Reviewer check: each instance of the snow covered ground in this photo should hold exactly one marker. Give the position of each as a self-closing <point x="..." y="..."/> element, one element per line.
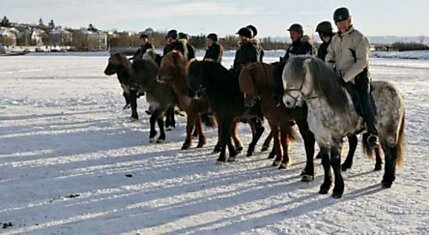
<point x="415" y="55"/>
<point x="71" y="162"/>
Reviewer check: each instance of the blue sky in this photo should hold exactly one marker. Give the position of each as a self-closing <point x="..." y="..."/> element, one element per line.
<point x="373" y="18"/>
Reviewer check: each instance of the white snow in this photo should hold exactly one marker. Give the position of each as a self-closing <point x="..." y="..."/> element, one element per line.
<point x="67" y="151"/>
<point x="416" y="55"/>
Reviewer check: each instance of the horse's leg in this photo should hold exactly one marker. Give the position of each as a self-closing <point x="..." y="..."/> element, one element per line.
<point x="217" y="146"/>
<point x="257" y="133"/>
<point x="336" y="166"/>
<point x="284" y="145"/>
<point x="199" y="129"/>
<point x="190" y="122"/>
<point x="161" y="138"/>
<point x="327" y="182"/>
<point x="278" y="150"/>
<point x="273" y="152"/>
<point x="127" y="100"/>
<point x="225" y="129"/>
<point x="170" y="121"/>
<point x="378" y="161"/>
<point x="353" y="141"/>
<point x="267" y="141"/>
<point x="153" y="118"/>
<point x="133" y="101"/>
<point x="232" y="151"/>
<point x="237" y="143"/>
<point x="389" y="164"/>
<point x="308" y="172"/>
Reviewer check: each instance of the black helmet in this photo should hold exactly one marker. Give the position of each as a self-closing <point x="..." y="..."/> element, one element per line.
<point x="183" y="36"/>
<point x="143" y="35"/>
<point x="212" y="36"/>
<point x="341" y="14"/>
<point x="296" y="28"/>
<point x="254" y="30"/>
<point x="172" y="34"/>
<point x="324" y="27"/>
<point x="245" y="32"/>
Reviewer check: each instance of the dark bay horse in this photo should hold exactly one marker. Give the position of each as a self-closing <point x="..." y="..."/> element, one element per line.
<point x="226" y="101"/>
<point x="119" y="64"/>
<point x="173" y="71"/>
<point x="160" y="96"/>
<point x="332" y="115"/>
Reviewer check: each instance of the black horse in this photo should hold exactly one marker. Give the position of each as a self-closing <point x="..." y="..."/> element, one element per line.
<point x="222" y="89"/>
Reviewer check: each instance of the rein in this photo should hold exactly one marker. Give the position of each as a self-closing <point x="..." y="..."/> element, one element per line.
<point x="306" y="97"/>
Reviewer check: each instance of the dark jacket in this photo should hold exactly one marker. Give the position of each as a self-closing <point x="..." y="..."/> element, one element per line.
<point x="142" y="50"/>
<point x="259" y="48"/>
<point x="214" y="52"/>
<point x="323" y="51"/>
<point x="247" y="53"/>
<point x="170" y="47"/>
<point x="299" y="47"/>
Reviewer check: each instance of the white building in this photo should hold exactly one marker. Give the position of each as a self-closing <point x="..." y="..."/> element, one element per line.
<point x="60" y="37"/>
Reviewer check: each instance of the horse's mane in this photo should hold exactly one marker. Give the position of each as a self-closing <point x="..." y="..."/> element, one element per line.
<point x="119" y="59"/>
<point x="175" y="59"/>
<point x="257" y="78"/>
<point x="325" y="81"/>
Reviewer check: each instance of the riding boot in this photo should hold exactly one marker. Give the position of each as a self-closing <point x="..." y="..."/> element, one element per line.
<point x="368" y="113"/>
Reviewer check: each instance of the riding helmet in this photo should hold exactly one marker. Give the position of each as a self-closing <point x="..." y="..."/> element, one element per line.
<point x="297" y="28"/>
<point x="341" y="14"/>
<point x="183" y="36"/>
<point x="172" y="34"/>
<point x="324" y="27"/>
<point x="245" y="32"/>
<point x="213" y="37"/>
<point x="254" y="30"/>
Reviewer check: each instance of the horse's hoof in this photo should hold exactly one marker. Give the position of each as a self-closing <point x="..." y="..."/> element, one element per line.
<point x="337" y="195"/>
<point x="276" y="163"/>
<point x="185" y="147"/>
<point x="345" y="167"/>
<point x="377" y="168"/>
<point x="151" y="140"/>
<point x="249" y="154"/>
<point x="231" y="159"/>
<point x="284" y="165"/>
<point x="323" y="190"/>
<point x="168" y="128"/>
<point x="220" y="162"/>
<point x="239" y="149"/>
<point x="264" y="148"/>
<point x="200" y="146"/>
<point x="134" y="119"/>
<point x="386" y="184"/>
<point x="307" y="178"/>
<point x="160" y="141"/>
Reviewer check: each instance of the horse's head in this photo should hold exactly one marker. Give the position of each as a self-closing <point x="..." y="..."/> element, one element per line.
<point x="116" y="63"/>
<point x="248" y="85"/>
<point x="173" y="65"/>
<point x="297" y="81"/>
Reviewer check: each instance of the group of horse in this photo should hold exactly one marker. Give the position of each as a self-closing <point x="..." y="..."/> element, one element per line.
<point x="313" y="98"/>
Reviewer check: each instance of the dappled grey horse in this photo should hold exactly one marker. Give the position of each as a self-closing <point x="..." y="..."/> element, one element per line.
<point x="332" y="116"/>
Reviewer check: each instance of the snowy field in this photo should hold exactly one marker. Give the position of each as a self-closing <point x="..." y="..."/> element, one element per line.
<point x="71" y="162"/>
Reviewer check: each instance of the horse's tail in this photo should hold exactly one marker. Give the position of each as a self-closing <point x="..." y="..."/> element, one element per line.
<point x="365" y="146"/>
<point x="208" y="120"/>
<point x="400" y="145"/>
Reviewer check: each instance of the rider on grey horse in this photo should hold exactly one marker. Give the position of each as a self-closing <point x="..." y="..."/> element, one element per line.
<point x="348" y="53"/>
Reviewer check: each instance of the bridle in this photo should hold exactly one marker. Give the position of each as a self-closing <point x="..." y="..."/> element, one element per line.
<point x="295" y="99"/>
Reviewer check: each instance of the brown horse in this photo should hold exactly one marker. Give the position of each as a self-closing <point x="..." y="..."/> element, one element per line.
<point x="173" y="70"/>
<point x="257" y="82"/>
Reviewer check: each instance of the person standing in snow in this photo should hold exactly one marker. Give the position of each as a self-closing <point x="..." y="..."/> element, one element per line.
<point x="348" y="54"/>
<point x="214" y="50"/>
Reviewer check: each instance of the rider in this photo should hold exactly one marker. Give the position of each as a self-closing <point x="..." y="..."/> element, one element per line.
<point x="348" y="53"/>
<point x="300" y="44"/>
<point x="145" y="45"/>
<point x="325" y="33"/>
<point x="170" y="41"/>
<point x="184" y="40"/>
<point x="214" y="49"/>
<point x="256" y="42"/>
<point x="247" y="52"/>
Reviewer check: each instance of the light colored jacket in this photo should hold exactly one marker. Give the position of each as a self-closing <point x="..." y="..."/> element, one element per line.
<point x="349" y="54"/>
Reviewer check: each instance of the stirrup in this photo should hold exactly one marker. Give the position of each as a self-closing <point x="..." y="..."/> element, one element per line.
<point x="372" y="141"/>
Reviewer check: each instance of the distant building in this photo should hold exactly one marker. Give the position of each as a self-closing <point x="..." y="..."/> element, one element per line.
<point x="8" y="36"/>
<point x="38" y="37"/>
<point x="95" y="40"/>
<point x="60" y="37"/>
